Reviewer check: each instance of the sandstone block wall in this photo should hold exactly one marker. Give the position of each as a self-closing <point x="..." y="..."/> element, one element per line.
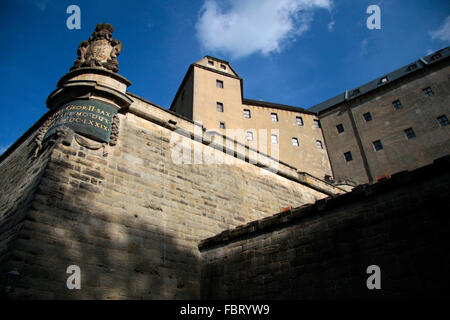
<point x="322" y="251"/>
<point x="132" y="220"/>
<point x="20" y="175"/>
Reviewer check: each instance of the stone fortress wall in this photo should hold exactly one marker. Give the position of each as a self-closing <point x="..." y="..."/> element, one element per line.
<point x="133" y="208"/>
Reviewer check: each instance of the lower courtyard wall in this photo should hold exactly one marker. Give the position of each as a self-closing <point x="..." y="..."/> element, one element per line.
<point x="323" y="251"/>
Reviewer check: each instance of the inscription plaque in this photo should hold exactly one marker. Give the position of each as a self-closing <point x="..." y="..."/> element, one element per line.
<point x="92" y="118"/>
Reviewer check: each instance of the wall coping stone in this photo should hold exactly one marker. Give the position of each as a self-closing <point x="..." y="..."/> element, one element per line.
<point x="294" y="215"/>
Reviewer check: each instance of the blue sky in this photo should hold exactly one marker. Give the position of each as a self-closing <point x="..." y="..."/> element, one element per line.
<point x="294" y="52"/>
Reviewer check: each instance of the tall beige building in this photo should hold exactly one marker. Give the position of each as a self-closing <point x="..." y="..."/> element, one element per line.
<point x="211" y="94"/>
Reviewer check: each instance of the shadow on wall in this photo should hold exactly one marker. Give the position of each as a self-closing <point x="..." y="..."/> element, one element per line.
<point x="119" y="255"/>
<point x="324" y="252"/>
<point x="20" y="174"/>
<point x="123" y="259"/>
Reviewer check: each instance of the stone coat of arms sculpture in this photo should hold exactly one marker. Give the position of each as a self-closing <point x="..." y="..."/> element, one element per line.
<point x="101" y="50"/>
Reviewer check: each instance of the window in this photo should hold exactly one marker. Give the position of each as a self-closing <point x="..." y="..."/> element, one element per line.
<point x="274" y="117"/>
<point x="377" y="145"/>
<point x="410" y="133"/>
<point x="427" y="91"/>
<point x="319" y="144"/>
<point x="210" y="62"/>
<point x="443" y="120"/>
<point x="219" y="84"/>
<point x="222" y="125"/>
<point x="367" y="116"/>
<point x="274" y="139"/>
<point x="383" y="80"/>
<point x="397" y="105"/>
<point x="219" y="107"/>
<point x="348" y="156"/>
<point x="436" y="56"/>
<point x="340" y="128"/>
<point x="295" y="142"/>
<point x="249" y="136"/>
<point x="412" y="67"/>
<point x="247" y="114"/>
<point x="224" y="67"/>
<point x="354" y="92"/>
<point x="299" y="121"/>
<point x="316" y="123"/>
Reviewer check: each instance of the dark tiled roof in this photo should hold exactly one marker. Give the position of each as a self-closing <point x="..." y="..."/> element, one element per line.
<point x="384" y="80"/>
<point x="274" y="105"/>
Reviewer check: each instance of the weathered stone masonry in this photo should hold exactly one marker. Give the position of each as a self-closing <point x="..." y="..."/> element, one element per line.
<point x="132" y="220"/>
<point x="124" y="208"/>
<point x="322" y="251"/>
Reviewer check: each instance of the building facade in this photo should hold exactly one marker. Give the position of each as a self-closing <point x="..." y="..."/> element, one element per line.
<point x="394" y="123"/>
<point x="109" y="184"/>
<point x="211" y="94"/>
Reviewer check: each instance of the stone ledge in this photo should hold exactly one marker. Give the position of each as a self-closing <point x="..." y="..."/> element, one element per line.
<point x="279" y="220"/>
<point x="94" y="70"/>
<point x="221" y="142"/>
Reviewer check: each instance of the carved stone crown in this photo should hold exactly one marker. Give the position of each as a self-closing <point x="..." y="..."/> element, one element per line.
<point x="101" y="50"/>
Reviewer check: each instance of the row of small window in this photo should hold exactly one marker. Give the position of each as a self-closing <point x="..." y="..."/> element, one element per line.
<point x="274" y="138"/>
<point x="443" y="121"/>
<point x="222" y="66"/>
<point x="273" y="116"/>
<point x="377" y="145"/>
<point x="397" y="104"/>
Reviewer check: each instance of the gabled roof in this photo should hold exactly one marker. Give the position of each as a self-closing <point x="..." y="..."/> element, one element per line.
<point x="413" y="67"/>
<point x="203" y="63"/>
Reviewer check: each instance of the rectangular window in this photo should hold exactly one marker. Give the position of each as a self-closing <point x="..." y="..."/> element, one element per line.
<point x="222" y="125"/>
<point x="354" y="92"/>
<point x="397" y="105"/>
<point x="274" y="139"/>
<point x="247" y="114"/>
<point x="219" y="84"/>
<point x="367" y="116"/>
<point x="299" y="121"/>
<point x="274" y="117"/>
<point x="340" y="128"/>
<point x="377" y="145"/>
<point x="210" y="62"/>
<point x="295" y="142"/>
<point x="348" y="156"/>
<point x="383" y="80"/>
<point x="410" y="133"/>
<point x="412" y="67"/>
<point x="224" y="67"/>
<point x="316" y="123"/>
<point x="319" y="144"/>
<point x="249" y="136"/>
<point x="443" y="120"/>
<point x="219" y="107"/>
<point x="427" y="91"/>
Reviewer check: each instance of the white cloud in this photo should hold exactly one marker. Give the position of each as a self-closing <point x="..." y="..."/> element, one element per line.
<point x="364" y="44"/>
<point x="443" y="33"/>
<point x="244" y="27"/>
<point x="41" y="4"/>
<point x="331" y="26"/>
